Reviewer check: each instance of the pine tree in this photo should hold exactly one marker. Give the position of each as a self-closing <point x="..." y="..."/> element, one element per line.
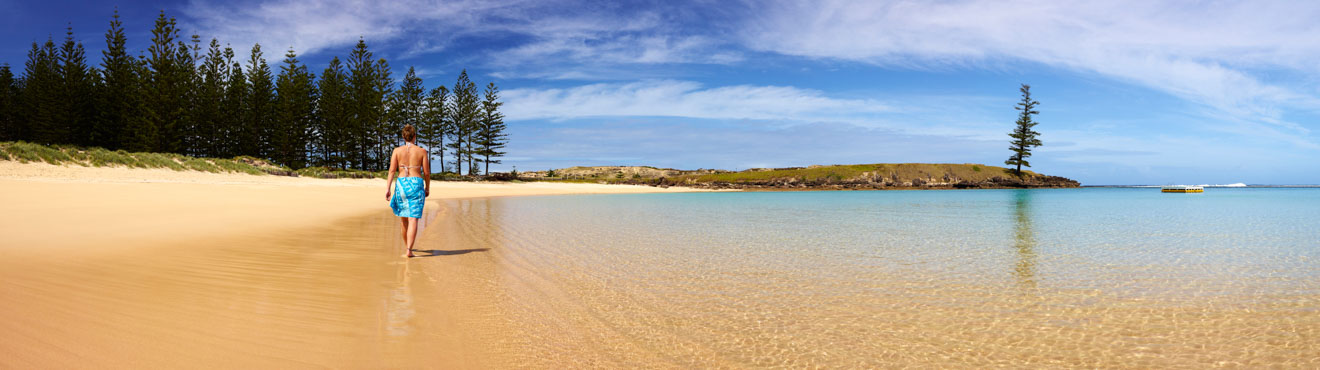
<point x="234" y="108"/>
<point x="366" y="108"/>
<point x="42" y="119"/>
<point x="295" y="112"/>
<point x="333" y="117"/>
<point x="1024" y="138"/>
<point x="208" y="118"/>
<point x="76" y="92"/>
<point x="254" y="139"/>
<point x="189" y="77"/>
<point x="119" y="95"/>
<point x="385" y="135"/>
<point x="464" y="115"/>
<point x="361" y="82"/>
<point x="140" y="133"/>
<point x="183" y="133"/>
<point x="435" y="122"/>
<point x="490" y="136"/>
<point x="406" y="105"/>
<point x="8" y="104"/>
<point x="168" y="86"/>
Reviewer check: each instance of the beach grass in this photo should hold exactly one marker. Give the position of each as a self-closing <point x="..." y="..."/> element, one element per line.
<point x="338" y="173"/>
<point x="100" y="157"/>
<point x="28" y="152"/>
<point x="25" y="152"/>
<point x="198" y="164"/>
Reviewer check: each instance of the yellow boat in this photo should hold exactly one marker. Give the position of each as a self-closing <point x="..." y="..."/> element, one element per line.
<point x="1182" y="189"/>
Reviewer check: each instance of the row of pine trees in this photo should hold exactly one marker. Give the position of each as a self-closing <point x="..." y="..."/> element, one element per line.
<point x="179" y="98"/>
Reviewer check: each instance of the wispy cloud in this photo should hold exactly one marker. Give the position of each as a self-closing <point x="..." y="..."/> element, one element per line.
<point x="1218" y="54"/>
<point x="311" y="26"/>
<point x="672" y="98"/>
<point x="513" y="33"/>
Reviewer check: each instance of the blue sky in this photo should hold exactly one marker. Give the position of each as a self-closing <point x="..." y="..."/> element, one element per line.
<point x="1131" y="92"/>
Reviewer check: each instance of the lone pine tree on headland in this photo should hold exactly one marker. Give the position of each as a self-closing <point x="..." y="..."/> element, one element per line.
<point x="1024" y="138"/>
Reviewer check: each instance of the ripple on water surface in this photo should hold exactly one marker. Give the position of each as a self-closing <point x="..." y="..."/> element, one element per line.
<point x="1078" y="278"/>
<point x="1092" y="277"/>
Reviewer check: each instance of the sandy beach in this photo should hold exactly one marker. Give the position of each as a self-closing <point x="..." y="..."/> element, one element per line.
<point x="114" y="267"/>
<point x="71" y="206"/>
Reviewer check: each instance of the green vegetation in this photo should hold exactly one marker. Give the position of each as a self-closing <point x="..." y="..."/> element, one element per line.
<point x="104" y="158"/>
<point x="338" y="173"/>
<point x="490" y="137"/>
<point x="465" y="118"/>
<point x="28" y="152"/>
<point x="159" y="160"/>
<point x="184" y="96"/>
<point x="1024" y="138"/>
<point x="25" y="152"/>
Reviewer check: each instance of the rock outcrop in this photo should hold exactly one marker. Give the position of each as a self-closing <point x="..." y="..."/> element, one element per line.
<point x="817" y="177"/>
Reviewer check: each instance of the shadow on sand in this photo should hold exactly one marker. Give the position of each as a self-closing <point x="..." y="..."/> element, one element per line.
<point x="438" y="252"/>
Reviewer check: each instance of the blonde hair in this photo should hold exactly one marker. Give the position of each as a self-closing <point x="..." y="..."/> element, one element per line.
<point x="409" y="133"/>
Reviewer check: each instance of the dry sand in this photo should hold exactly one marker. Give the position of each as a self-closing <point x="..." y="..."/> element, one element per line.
<point x="71" y="206"/>
<point x="136" y="268"/>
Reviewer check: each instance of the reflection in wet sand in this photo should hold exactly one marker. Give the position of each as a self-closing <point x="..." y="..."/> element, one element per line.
<point x="399" y="307"/>
<point x="1025" y="241"/>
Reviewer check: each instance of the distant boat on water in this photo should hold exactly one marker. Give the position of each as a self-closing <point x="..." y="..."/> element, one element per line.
<point x="1182" y="189"/>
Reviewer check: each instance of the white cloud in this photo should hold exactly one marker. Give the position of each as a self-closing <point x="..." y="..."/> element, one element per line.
<point x="311" y="26"/>
<point x="685" y="99"/>
<point x="562" y="30"/>
<point x="1210" y="53"/>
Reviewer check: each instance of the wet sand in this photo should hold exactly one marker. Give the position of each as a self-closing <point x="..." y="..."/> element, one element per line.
<point x="110" y="267"/>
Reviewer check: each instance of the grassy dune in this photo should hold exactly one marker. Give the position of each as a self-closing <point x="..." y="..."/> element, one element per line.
<point x="25" y="152"/>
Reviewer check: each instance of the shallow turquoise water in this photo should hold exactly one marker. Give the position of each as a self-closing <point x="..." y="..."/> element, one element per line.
<point x="1058" y="237"/>
<point x="1093" y="276"/>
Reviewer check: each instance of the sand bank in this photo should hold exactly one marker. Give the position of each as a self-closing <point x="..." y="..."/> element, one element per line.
<point x="70" y="206"/>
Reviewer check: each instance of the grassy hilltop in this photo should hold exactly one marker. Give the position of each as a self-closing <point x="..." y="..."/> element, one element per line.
<point x="855" y="176"/>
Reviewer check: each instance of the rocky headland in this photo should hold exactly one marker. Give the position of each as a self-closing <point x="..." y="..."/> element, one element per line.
<point x="819" y="177"/>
